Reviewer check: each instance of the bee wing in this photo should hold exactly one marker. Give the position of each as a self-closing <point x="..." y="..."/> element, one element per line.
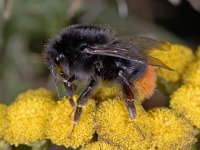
<point x="129" y="50"/>
<point x="145" y="43"/>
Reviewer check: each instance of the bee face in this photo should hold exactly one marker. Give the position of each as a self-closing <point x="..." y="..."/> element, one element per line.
<point x="65" y="50"/>
<point x="93" y="53"/>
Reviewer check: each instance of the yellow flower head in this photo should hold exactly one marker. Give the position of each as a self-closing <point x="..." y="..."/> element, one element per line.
<point x="100" y="146"/>
<point x="186" y="101"/>
<point x="41" y="92"/>
<point x="176" y="58"/>
<point x="113" y="125"/>
<point x="60" y="124"/>
<point x="191" y="74"/>
<point x="3" y="110"/>
<point x="27" y="117"/>
<point x="170" y="131"/>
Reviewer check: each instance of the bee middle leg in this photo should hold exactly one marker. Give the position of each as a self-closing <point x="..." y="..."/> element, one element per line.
<point x="128" y="94"/>
<point x="82" y="100"/>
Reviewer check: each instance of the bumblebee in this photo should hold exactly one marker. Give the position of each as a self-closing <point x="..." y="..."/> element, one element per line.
<point x="95" y="53"/>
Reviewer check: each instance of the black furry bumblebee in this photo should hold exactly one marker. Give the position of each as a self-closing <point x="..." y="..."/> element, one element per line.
<point x="94" y="53"/>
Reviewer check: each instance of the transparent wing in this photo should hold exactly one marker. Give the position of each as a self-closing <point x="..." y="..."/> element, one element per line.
<point x="131" y="50"/>
<point x="144" y="43"/>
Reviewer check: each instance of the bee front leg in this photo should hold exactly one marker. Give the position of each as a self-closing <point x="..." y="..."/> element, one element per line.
<point x="128" y="94"/>
<point x="82" y="100"/>
<point x="70" y="89"/>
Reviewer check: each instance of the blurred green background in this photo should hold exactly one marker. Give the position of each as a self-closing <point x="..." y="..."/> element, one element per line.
<point x="26" y="26"/>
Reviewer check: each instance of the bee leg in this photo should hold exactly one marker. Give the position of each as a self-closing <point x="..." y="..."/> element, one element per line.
<point x="70" y="89"/>
<point x="69" y="92"/>
<point x="129" y="100"/>
<point x="82" y="100"/>
<point x="128" y="94"/>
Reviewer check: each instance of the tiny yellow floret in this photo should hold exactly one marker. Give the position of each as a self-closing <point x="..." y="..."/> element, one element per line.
<point x="27" y="117"/>
<point x="100" y="146"/>
<point x="186" y="101"/>
<point x="60" y="123"/>
<point x="113" y="124"/>
<point x="170" y="131"/>
<point x="3" y="111"/>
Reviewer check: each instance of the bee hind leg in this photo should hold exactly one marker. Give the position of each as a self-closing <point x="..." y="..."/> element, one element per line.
<point x="82" y="100"/>
<point x="129" y="100"/>
<point x="128" y="95"/>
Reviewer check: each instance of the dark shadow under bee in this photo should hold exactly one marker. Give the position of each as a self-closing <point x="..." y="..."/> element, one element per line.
<point x="94" y="53"/>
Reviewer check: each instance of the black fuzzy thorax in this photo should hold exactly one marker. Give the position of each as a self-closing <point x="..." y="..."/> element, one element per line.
<point x="72" y="41"/>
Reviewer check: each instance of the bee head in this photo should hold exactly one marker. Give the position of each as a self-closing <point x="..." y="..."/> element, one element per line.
<point x="66" y="47"/>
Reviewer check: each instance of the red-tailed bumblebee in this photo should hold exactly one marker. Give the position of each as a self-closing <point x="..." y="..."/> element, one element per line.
<point x="94" y="53"/>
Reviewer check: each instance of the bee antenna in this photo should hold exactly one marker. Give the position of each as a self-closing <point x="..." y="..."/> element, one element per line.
<point x="139" y="130"/>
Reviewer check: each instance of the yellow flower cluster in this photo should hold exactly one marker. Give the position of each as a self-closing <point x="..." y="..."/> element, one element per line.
<point x="170" y="131"/>
<point x="60" y="123"/>
<point x="161" y="128"/>
<point x="26" y="117"/>
<point x="186" y="101"/>
<point x="113" y="124"/>
<point x="35" y="115"/>
<point x="3" y="111"/>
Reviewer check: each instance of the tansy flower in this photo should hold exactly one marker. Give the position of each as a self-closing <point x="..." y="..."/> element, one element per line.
<point x="191" y="74"/>
<point x="3" y="110"/>
<point x="113" y="125"/>
<point x="60" y="123"/>
<point x="27" y="117"/>
<point x="176" y="58"/>
<point x="100" y="146"/>
<point x="170" y="131"/>
<point x="186" y="101"/>
<point x="41" y="92"/>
